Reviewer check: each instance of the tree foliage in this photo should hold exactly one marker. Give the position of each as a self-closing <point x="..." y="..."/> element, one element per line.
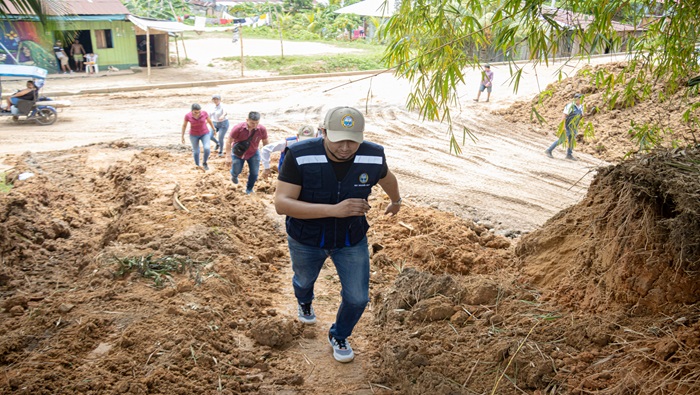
<point x="294" y="6"/>
<point x="432" y="42"/>
<point x="157" y="9"/>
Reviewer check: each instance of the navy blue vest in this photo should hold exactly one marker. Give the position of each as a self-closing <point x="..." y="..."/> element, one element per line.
<point x="320" y="185"/>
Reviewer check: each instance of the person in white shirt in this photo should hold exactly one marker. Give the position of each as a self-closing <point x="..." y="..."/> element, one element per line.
<point x="220" y="118"/>
<point x="91" y="63"/>
<point x="305" y="132"/>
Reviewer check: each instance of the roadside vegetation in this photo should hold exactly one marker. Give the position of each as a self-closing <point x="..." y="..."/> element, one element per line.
<point x="298" y="64"/>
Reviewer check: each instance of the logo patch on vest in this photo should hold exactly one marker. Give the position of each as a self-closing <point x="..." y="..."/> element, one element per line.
<point x="364" y="177"/>
<point x="348" y="121"/>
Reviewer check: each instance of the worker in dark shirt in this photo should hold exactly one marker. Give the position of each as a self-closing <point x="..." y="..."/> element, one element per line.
<point x="323" y="187"/>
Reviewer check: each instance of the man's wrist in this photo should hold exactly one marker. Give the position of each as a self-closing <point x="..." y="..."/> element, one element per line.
<point x="398" y="202"/>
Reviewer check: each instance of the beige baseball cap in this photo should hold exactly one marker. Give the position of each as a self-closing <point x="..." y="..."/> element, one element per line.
<point x="344" y="123"/>
<point x="306" y="132"/>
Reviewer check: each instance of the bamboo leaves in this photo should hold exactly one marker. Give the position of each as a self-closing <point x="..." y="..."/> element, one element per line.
<point x="432" y="42"/>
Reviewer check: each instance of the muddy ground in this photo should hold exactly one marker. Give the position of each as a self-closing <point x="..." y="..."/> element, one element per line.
<point x="109" y="286"/>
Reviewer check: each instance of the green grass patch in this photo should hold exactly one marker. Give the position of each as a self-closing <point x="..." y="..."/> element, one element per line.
<point x="158" y="269"/>
<point x="4" y="186"/>
<point x="297" y="64"/>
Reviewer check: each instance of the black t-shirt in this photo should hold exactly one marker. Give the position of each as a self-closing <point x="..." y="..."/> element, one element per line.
<point x="290" y="172"/>
<point x="28" y="96"/>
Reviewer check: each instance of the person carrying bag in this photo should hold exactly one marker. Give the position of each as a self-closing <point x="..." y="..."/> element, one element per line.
<point x="241" y="147"/>
<point x="244" y="141"/>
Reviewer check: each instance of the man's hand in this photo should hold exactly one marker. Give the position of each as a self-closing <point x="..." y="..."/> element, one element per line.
<point x="392" y="209"/>
<point x="266" y="173"/>
<point x="351" y="208"/>
<point x="183" y="139"/>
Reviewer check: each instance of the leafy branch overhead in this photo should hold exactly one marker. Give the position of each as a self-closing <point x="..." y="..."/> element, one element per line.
<point x="432" y="42"/>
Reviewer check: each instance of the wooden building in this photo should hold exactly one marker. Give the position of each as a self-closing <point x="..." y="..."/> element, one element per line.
<point x="101" y="26"/>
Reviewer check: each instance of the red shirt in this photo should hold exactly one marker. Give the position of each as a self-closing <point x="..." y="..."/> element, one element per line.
<point x="198" y="126"/>
<point x="240" y="132"/>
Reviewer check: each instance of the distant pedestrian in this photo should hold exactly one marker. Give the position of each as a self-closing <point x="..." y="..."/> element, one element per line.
<point x="241" y="146"/>
<point x="198" y="121"/>
<point x="62" y="58"/>
<point x="304" y="133"/>
<point x="486" y="83"/>
<point x="573" y="112"/>
<point x="77" y="52"/>
<point x="220" y="118"/>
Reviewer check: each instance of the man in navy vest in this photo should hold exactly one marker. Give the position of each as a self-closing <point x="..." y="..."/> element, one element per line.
<point x="322" y="189"/>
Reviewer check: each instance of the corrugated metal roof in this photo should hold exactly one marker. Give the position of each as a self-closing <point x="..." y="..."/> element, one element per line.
<point x="83" y="7"/>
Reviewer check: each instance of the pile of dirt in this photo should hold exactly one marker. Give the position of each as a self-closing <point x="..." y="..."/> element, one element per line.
<point x="127" y="270"/>
<point x="632" y="243"/>
<point x="611" y="119"/>
<point x="81" y="313"/>
<point x="606" y="300"/>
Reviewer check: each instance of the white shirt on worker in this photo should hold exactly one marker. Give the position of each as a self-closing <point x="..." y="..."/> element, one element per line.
<point x="279" y="146"/>
<point x="218" y="114"/>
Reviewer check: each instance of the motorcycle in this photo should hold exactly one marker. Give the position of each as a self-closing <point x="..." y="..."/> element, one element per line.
<point x="42" y="110"/>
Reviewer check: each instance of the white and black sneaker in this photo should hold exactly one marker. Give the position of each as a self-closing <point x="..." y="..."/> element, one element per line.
<point x="342" y="352"/>
<point x="306" y="313"/>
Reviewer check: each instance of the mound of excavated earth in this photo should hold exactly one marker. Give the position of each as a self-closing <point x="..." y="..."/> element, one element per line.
<point x="127" y="270"/>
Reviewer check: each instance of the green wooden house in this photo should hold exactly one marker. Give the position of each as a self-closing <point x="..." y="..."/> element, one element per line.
<point x="100" y="26"/>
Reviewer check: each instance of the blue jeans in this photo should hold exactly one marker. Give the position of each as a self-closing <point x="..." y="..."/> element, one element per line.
<point x="352" y="265"/>
<point x="194" y="140"/>
<point x="570" y="135"/>
<point x="221" y="129"/>
<point x="253" y="168"/>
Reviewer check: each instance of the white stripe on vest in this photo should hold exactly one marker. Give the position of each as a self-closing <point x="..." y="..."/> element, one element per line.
<point x="305" y="160"/>
<point x="373" y="160"/>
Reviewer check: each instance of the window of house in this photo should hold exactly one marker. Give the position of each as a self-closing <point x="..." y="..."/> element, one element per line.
<point x="104" y="38"/>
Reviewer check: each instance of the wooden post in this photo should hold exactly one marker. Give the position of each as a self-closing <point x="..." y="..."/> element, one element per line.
<point x="148" y="53"/>
<point x="184" y="49"/>
<point x="240" y="38"/>
<point x="177" y="51"/>
<point x="279" y="23"/>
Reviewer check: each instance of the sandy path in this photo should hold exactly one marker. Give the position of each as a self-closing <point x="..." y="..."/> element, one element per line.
<point x="204" y="50"/>
<point x="502" y="179"/>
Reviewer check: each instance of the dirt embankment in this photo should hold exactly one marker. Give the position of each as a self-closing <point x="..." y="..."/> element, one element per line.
<point x="585" y="304"/>
<point x="613" y="121"/>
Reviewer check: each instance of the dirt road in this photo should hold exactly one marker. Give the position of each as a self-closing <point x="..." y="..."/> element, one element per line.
<point x="502" y="179"/>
